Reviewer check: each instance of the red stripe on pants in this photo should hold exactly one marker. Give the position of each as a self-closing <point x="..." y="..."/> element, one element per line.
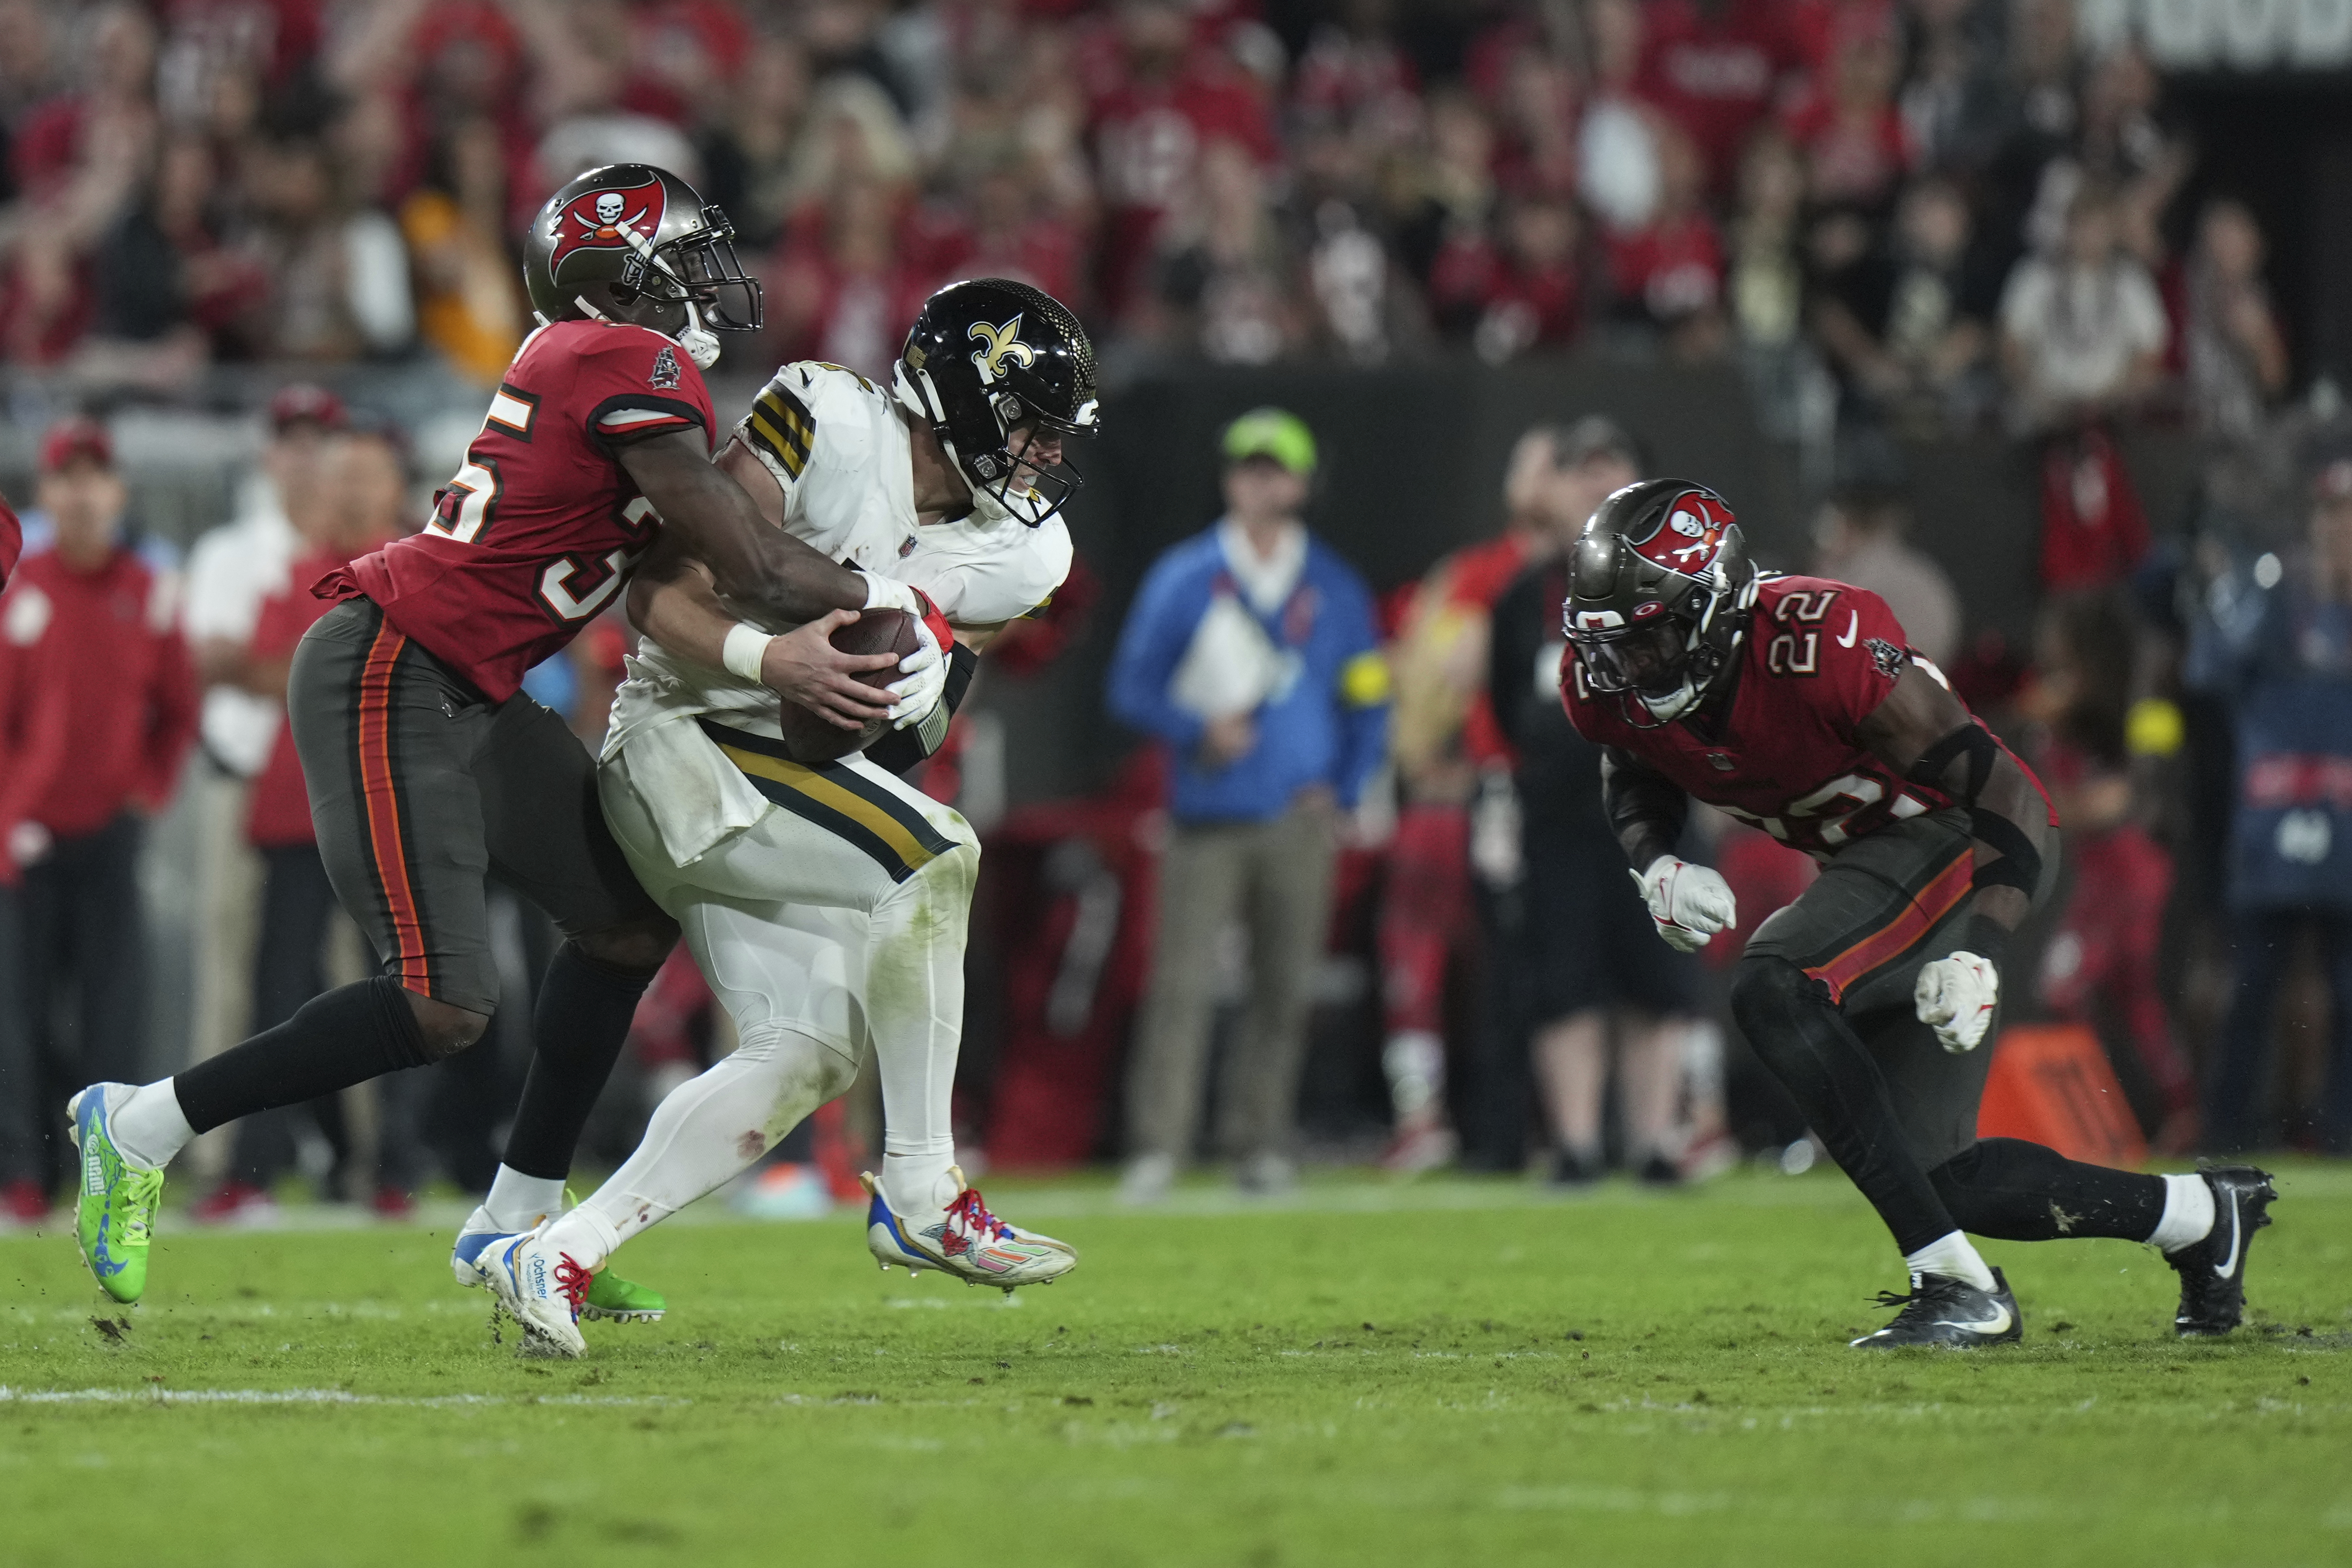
<point x="1890" y="941"/>
<point x="381" y="797"/>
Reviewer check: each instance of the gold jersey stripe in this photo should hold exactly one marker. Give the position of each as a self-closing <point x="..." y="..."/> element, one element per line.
<point x="781" y="424"/>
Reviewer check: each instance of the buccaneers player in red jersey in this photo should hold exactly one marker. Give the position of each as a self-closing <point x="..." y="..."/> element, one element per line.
<point x="1794" y="703"/>
<point x="428" y="772"/>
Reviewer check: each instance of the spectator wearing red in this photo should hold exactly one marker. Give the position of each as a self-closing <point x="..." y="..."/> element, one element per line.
<point x="1170" y="102"/>
<point x="1669" y="271"/>
<point x="1717" y="67"/>
<point x="1856" y="144"/>
<point x="1526" y="292"/>
<point x="364" y="503"/>
<point x="98" y="709"/>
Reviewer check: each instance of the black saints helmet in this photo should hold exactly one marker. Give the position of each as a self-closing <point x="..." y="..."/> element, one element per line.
<point x="990" y="356"/>
<point x="1659" y="590"/>
<point x="629" y="242"/>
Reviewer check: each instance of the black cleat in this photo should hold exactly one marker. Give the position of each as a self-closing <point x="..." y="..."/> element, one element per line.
<point x="1952" y="1313"/>
<point x="2213" y="1272"/>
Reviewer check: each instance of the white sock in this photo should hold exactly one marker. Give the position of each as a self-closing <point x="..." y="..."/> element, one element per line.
<point x="1414" y="1060"/>
<point x="517" y="1202"/>
<point x="2188" y="1214"/>
<point x="148" y="1125"/>
<point x="1955" y="1258"/>
<point x="916" y="1184"/>
<point x="914" y="1002"/>
<point x="705" y="1133"/>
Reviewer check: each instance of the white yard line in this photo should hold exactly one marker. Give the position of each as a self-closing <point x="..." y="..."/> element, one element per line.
<point x="302" y="1396"/>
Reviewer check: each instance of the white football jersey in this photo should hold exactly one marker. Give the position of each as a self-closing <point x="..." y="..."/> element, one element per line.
<point x="840" y="452"/>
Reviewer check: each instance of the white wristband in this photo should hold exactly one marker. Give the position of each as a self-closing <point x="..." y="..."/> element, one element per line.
<point x="743" y="650"/>
<point x="887" y="593"/>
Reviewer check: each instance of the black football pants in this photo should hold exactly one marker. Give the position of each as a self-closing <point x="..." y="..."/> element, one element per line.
<point x="1824" y="995"/>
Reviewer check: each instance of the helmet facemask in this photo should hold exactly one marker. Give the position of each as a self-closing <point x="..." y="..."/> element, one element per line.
<point x="694" y="281"/>
<point x="1000" y="478"/>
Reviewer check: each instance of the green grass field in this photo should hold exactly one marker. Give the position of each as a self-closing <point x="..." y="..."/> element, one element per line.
<point x="1455" y="1372"/>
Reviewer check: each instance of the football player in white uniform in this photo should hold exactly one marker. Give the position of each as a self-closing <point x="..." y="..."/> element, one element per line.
<point x="826" y="902"/>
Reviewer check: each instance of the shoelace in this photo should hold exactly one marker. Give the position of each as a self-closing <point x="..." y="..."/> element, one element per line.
<point x="573" y="1282"/>
<point x="972" y="1214"/>
<point x="1923" y="1295"/>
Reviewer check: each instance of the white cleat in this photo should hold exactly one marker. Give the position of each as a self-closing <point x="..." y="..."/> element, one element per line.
<point x="967" y="1241"/>
<point x="539" y="1289"/>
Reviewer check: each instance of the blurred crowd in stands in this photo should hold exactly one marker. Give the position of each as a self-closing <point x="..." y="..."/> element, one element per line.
<point x="1903" y="221"/>
<point x="1935" y="198"/>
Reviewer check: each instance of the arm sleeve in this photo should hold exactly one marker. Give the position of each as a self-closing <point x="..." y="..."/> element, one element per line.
<point x="634" y="382"/>
<point x="1646" y="810"/>
<point x="1157" y="631"/>
<point x="1363" y="695"/>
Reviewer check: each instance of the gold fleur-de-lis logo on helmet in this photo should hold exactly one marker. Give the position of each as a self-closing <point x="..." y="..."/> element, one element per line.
<point x="1002" y="343"/>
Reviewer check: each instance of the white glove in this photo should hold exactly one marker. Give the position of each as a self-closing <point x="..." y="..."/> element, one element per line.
<point x="1956" y="998"/>
<point x="1689" y="903"/>
<point x="925" y="680"/>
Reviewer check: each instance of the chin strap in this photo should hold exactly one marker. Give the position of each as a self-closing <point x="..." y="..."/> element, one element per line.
<point x="701" y="343"/>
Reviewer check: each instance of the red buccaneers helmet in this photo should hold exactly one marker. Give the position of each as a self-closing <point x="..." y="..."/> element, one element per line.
<point x="1660" y="591"/>
<point x="634" y="243"/>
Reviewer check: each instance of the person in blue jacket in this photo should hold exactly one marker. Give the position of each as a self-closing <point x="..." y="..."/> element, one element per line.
<point x="1250" y="651"/>
<point x="2280" y="650"/>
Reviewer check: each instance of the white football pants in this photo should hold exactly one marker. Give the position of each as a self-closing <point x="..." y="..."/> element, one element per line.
<point x="834" y="925"/>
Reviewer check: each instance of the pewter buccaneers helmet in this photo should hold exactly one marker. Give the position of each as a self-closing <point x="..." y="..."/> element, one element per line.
<point x="1660" y="592"/>
<point x="990" y="356"/>
<point x="633" y="242"/>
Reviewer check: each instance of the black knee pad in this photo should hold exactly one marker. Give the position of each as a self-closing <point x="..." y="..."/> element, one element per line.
<point x="414" y="1044"/>
<point x="1769" y="994"/>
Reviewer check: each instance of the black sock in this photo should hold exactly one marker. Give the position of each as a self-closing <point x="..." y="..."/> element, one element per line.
<point x="2015" y="1191"/>
<point x="576" y="1035"/>
<point x="1803" y="1038"/>
<point x="335" y="1039"/>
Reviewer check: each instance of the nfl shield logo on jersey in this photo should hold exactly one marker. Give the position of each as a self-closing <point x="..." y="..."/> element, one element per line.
<point x="595" y="220"/>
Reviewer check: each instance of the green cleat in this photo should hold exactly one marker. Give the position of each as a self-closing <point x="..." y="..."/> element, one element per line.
<point x="613" y="1299"/>
<point x="115" y="1213"/>
<point x="619" y="1301"/>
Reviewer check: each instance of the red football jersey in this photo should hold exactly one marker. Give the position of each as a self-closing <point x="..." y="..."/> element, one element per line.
<point x="12" y="540"/>
<point x="1818" y="659"/>
<point x="542" y="526"/>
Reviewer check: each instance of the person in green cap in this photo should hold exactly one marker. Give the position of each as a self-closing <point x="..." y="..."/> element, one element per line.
<point x="1251" y="652"/>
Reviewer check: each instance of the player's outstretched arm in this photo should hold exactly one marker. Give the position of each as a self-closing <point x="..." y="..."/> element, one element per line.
<point x="766" y="570"/>
<point x="672" y="601"/>
<point x="1923" y="733"/>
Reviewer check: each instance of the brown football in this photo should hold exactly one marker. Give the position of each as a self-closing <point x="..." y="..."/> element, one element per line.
<point x="813" y="739"/>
